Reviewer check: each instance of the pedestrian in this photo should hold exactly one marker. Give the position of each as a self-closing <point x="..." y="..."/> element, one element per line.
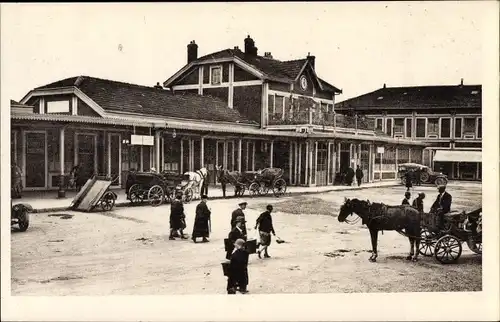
<point x="16" y="181"/>
<point x="359" y="175"/>
<point x="418" y="174"/>
<point x="204" y="186"/>
<point x="265" y="226"/>
<point x="406" y="200"/>
<point x="238" y="269"/>
<point x="349" y="176"/>
<point x="202" y="221"/>
<point x="235" y="234"/>
<point x="418" y="203"/>
<point x="442" y="205"/>
<point x="239" y="213"/>
<point x="409" y="179"/>
<point x="177" y="217"/>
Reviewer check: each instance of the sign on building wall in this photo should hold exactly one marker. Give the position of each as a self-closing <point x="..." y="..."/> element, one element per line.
<point x="141" y="140"/>
<point x="380" y="149"/>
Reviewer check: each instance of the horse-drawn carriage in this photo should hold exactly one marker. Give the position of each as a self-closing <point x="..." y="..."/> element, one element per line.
<point x="446" y="244"/>
<point x="157" y="188"/>
<point x="258" y="183"/>
<point x="423" y="174"/>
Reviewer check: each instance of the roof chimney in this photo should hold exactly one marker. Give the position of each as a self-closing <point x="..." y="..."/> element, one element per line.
<point x="192" y="52"/>
<point x="461" y="82"/>
<point x="250" y="46"/>
<point x="268" y="54"/>
<point x="158" y="86"/>
<point x="236" y="48"/>
<point x="312" y="60"/>
<point x="385" y="86"/>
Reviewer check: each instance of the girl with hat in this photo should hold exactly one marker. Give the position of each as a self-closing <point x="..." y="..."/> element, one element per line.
<point x="265" y="225"/>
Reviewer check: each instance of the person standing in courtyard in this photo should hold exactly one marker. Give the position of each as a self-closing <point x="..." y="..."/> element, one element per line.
<point x="442" y="205"/>
<point x="239" y="213"/>
<point x="16" y="181"/>
<point x="201" y="227"/>
<point x="238" y="269"/>
<point x="265" y="226"/>
<point x="235" y="234"/>
<point x="418" y="203"/>
<point x="409" y="180"/>
<point x="406" y="200"/>
<point x="349" y="176"/>
<point x="359" y="175"/>
<point x="177" y="217"/>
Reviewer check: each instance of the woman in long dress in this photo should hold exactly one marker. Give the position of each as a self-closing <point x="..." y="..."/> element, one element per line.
<point x="201" y="227"/>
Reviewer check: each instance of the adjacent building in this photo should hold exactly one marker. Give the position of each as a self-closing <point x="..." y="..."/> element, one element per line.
<point x="231" y="108"/>
<point x="447" y="118"/>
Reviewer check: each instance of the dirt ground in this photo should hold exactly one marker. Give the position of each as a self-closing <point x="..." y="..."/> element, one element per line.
<point x="127" y="251"/>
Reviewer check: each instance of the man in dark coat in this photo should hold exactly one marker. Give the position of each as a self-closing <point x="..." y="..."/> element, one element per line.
<point x="177" y="217"/>
<point x="16" y="181"/>
<point x="204" y="186"/>
<point x="418" y="203"/>
<point x="239" y="213"/>
<point x="349" y="177"/>
<point x="409" y="179"/>
<point x="406" y="200"/>
<point x="442" y="205"/>
<point x="235" y="234"/>
<point x="238" y="269"/>
<point x="359" y="175"/>
<point x="265" y="225"/>
<point x="201" y="227"/>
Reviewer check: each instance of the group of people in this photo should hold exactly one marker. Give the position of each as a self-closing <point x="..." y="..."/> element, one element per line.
<point x="347" y="176"/>
<point x="236" y="247"/>
<point x="440" y="207"/>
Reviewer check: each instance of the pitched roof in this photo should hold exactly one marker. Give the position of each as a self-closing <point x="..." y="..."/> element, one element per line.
<point x="118" y="97"/>
<point x="272" y="68"/>
<point x="421" y="97"/>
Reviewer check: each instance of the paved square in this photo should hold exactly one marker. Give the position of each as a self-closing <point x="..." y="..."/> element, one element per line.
<point x="127" y="251"/>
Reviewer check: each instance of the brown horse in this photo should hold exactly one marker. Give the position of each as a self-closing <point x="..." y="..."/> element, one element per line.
<point x="377" y="217"/>
<point x="232" y="177"/>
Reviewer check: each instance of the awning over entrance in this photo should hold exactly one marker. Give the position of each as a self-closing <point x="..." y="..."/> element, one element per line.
<point x="457" y="156"/>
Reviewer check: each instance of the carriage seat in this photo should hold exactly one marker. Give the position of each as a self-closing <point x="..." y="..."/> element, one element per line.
<point x="454" y="215"/>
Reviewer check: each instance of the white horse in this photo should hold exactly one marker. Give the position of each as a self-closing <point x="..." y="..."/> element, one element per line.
<point x="196" y="180"/>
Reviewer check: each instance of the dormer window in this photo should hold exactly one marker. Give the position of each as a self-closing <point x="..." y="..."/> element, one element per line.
<point x="216" y="75"/>
<point x="474" y="92"/>
<point x="58" y="107"/>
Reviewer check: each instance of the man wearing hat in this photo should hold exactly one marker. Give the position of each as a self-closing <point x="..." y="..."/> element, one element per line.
<point x="235" y="234"/>
<point x="418" y="203"/>
<point x="442" y="205"/>
<point x="239" y="213"/>
<point x="238" y="269"/>
<point x="201" y="227"/>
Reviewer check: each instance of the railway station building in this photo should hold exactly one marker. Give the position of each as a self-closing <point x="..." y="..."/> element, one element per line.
<point x="232" y="108"/>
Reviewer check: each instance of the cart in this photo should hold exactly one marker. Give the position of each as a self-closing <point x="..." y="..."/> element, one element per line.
<point x="446" y="244"/>
<point x="95" y="194"/>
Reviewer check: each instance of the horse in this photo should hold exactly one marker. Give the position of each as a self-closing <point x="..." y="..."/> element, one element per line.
<point x="225" y="177"/>
<point x="378" y="216"/>
<point x="196" y="180"/>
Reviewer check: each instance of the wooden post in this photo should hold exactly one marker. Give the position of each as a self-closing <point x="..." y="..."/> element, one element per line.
<point x="247" y="153"/>
<point x="381" y="166"/>
<point x="61" y="193"/>
<point x="370" y="163"/>
<point x="157" y="150"/>
<point x="181" y="163"/>
<point x="290" y="163"/>
<point x="202" y="152"/>
<point x="239" y="155"/>
<point x="338" y="155"/>
<point x="315" y="163"/>
<point x="396" y="170"/>
<point x="271" y="152"/>
<point x="409" y="154"/>
<point x="299" y="166"/>
<point x="253" y="156"/>
<point x="328" y="165"/>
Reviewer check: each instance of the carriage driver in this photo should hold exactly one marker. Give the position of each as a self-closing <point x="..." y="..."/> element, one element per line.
<point x="442" y="205"/>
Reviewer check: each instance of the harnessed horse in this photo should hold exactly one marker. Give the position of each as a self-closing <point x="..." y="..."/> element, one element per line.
<point x="377" y="217"/>
<point x="196" y="181"/>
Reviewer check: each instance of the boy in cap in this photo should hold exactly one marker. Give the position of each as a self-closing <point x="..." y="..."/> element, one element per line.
<point x="238" y="269"/>
<point x="406" y="200"/>
<point x="235" y="234"/>
<point x="418" y="203"/>
<point x="239" y="213"/>
<point x="265" y="225"/>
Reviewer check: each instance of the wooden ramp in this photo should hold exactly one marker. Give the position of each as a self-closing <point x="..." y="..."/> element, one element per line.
<point x="90" y="194"/>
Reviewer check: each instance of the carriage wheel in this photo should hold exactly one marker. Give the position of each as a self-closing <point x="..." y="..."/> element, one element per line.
<point x="448" y="249"/>
<point x="263" y="190"/>
<point x="403" y="181"/>
<point x="254" y="189"/>
<point x="188" y="195"/>
<point x="135" y="194"/>
<point x="23" y="221"/>
<point x="155" y="195"/>
<point x="427" y="243"/>
<point x="108" y="201"/>
<point x="475" y="245"/>
<point x="279" y="187"/>
<point x="424" y="177"/>
<point x="441" y="181"/>
<point x="240" y="190"/>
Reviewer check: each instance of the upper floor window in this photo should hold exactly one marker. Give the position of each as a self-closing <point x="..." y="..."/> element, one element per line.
<point x="388" y="127"/>
<point x="58" y="107"/>
<point x="479" y="127"/>
<point x="399" y="125"/>
<point x="458" y="128"/>
<point x="408" y="128"/>
<point x="445" y="128"/>
<point x="432" y="126"/>
<point x="379" y="124"/>
<point x="469" y="125"/>
<point x="420" y="128"/>
<point x="215" y="75"/>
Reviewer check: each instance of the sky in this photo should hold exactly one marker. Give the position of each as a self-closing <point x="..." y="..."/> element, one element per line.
<point x="359" y="46"/>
